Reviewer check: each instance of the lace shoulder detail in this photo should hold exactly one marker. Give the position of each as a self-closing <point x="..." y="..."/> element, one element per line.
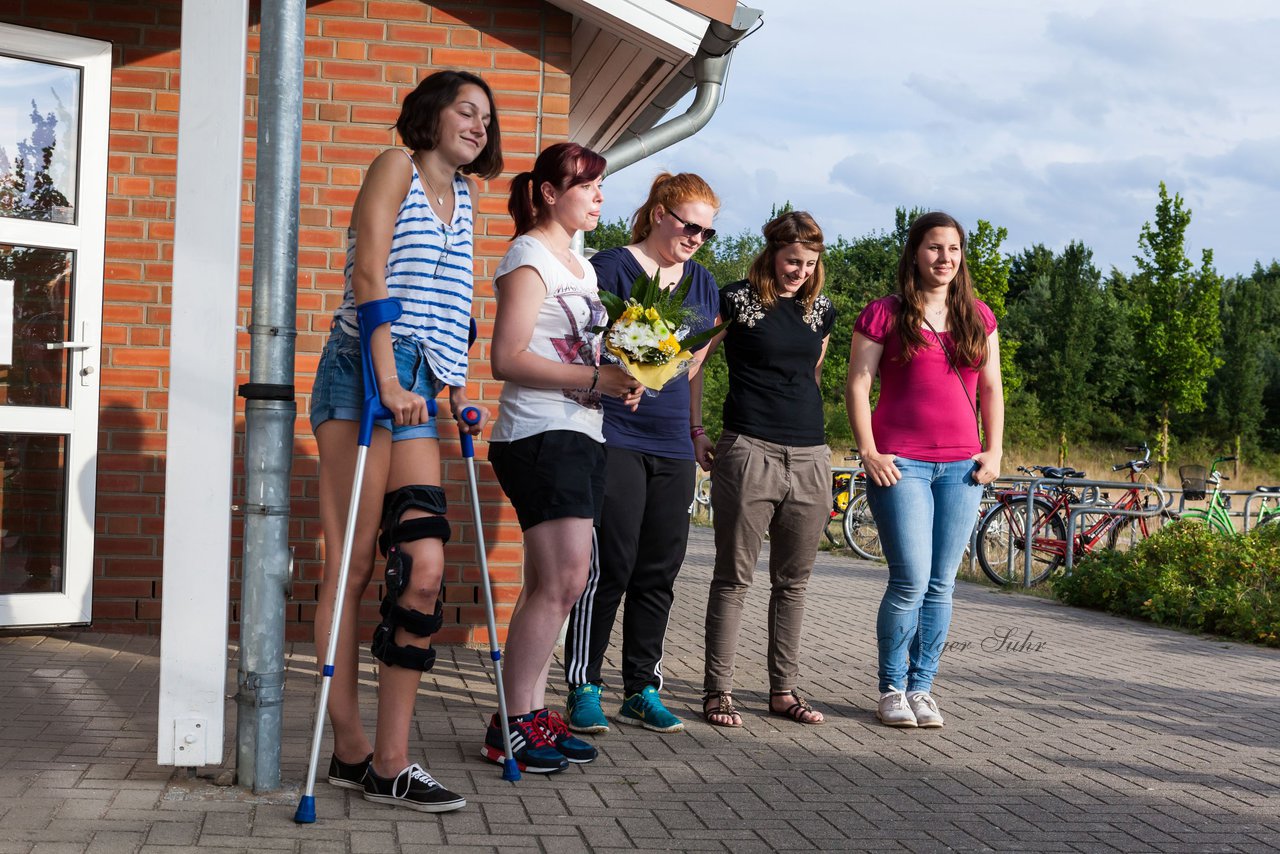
<point x="813" y="317"/>
<point x="748" y="308"/>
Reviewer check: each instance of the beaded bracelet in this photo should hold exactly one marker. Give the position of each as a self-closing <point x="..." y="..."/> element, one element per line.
<point x="595" y="378"/>
<point x="696" y="431"/>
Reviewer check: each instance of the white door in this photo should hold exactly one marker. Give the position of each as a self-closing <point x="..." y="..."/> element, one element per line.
<point x="55" y="96"/>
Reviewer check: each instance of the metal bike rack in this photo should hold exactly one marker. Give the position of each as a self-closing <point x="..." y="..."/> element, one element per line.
<point x="1249" y="500"/>
<point x="1096" y="508"/>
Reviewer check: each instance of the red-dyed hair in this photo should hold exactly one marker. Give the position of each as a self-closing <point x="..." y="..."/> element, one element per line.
<point x="563" y="165"/>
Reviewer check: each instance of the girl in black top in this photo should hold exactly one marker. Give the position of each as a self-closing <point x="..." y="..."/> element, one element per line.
<point x="771" y="467"/>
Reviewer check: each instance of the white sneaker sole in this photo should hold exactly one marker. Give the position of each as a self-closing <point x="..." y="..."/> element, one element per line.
<point x="623" y="719"/>
<point x="904" y="724"/>
<point x="393" y="801"/>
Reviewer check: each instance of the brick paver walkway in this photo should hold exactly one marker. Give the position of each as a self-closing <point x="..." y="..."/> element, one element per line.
<point x="1066" y="730"/>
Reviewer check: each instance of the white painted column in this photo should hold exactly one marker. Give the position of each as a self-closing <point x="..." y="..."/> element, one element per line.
<point x="202" y="393"/>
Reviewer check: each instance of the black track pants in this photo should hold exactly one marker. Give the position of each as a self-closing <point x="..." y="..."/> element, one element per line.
<point x="640" y="546"/>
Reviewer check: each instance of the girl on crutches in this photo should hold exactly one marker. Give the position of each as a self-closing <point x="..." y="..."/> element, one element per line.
<point x="410" y="239"/>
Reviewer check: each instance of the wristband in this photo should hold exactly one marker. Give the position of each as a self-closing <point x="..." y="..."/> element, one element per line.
<point x="697" y="431"/>
<point x="395" y="377"/>
<point x="595" y="378"/>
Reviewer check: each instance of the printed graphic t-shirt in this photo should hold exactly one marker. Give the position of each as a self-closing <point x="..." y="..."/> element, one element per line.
<point x="562" y="333"/>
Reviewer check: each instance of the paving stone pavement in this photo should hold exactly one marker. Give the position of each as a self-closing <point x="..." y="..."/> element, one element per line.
<point x="1067" y="730"/>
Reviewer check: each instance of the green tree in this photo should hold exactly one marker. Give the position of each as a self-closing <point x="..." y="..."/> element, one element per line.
<point x="1059" y="322"/>
<point x="608" y="235"/>
<point x="1240" y="382"/>
<point x="1175" y="318"/>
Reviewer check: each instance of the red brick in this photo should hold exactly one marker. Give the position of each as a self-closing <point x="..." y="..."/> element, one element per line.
<point x="398" y="11"/>
<point x="411" y="34"/>
<point x="367" y="92"/>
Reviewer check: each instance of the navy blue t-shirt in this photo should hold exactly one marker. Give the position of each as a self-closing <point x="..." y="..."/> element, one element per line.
<point x="660" y="425"/>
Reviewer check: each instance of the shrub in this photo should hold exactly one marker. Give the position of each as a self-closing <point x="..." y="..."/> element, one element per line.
<point x="1190" y="576"/>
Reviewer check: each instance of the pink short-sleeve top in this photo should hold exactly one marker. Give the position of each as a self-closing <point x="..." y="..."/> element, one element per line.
<point x="924" y="413"/>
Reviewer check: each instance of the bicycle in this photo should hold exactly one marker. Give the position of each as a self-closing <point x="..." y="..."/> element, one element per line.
<point x="1002" y="539"/>
<point x="845" y="484"/>
<point x="860" y="530"/>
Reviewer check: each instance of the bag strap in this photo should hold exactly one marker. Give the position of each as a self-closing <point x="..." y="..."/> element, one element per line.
<point x="951" y="363"/>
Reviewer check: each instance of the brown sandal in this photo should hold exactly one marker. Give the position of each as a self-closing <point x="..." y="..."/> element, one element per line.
<point x="797" y="711"/>
<point x="723" y="707"/>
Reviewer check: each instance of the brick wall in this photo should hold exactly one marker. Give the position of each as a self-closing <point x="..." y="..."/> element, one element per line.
<point x="362" y="57"/>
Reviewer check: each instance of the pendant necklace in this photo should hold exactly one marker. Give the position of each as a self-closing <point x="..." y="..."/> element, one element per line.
<point x="423" y="172"/>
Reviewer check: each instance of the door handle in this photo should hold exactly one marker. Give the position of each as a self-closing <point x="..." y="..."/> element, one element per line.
<point x="67" y="345"/>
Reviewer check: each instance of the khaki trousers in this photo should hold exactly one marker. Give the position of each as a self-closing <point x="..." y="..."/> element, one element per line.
<point x="757" y="487"/>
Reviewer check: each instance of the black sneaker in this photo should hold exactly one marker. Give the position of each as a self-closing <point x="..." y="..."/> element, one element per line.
<point x="572" y="748"/>
<point x="413" y="788"/>
<point x="348" y="775"/>
<point x="530" y="747"/>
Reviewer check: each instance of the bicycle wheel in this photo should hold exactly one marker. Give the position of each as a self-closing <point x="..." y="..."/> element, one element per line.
<point x="1212" y="521"/>
<point x="1130" y="530"/>
<point x="1002" y="542"/>
<point x="860" y="530"/>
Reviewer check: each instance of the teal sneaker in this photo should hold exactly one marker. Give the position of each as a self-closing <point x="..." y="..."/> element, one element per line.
<point x="585" y="714"/>
<point x="645" y="709"/>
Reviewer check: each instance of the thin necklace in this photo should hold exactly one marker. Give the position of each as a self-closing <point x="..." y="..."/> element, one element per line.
<point x="422" y="170"/>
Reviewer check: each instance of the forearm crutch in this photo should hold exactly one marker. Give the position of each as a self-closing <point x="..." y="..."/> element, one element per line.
<point x="370" y="316"/>
<point x="471" y="415"/>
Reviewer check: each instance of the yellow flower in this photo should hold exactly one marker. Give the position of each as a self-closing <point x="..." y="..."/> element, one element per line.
<point x="670" y="346"/>
<point x="631" y="314"/>
<point x="651" y="314"/>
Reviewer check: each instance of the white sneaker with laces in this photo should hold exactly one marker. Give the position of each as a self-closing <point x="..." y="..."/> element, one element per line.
<point x="893" y="709"/>
<point x="925" y="708"/>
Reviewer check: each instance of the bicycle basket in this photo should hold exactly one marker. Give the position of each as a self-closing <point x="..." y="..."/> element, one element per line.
<point x="1193" y="482"/>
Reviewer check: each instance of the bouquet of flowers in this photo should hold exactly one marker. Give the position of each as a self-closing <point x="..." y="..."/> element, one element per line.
<point x="644" y="331"/>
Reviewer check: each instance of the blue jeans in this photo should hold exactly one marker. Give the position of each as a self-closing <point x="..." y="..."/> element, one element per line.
<point x="924" y="520"/>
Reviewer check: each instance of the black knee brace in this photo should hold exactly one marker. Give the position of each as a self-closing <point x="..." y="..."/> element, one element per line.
<point x="395" y="532"/>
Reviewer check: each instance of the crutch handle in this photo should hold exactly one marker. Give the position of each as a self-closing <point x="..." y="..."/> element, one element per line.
<point x="470" y="416"/>
<point x="370" y="316"/>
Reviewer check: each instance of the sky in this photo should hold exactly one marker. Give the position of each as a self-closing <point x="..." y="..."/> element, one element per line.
<point x="1056" y="119"/>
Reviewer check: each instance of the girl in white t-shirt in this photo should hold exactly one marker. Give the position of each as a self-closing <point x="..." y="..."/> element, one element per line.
<point x="547" y="448"/>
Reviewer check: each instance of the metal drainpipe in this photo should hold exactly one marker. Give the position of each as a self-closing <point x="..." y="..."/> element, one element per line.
<point x="710" y="66"/>
<point x="270" y="408"/>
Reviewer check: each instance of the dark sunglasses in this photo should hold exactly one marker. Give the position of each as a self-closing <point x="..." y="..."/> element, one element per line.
<point x="692" y="229"/>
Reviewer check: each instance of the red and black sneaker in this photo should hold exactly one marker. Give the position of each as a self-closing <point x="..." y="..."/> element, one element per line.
<point x="571" y="747"/>
<point x="530" y="746"/>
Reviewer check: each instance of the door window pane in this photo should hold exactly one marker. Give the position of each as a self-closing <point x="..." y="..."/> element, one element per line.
<point x="32" y="374"/>
<point x="33" y="502"/>
<point x="39" y="126"/>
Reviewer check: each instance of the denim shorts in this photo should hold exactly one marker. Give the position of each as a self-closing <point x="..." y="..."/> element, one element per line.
<point x="339" y="388"/>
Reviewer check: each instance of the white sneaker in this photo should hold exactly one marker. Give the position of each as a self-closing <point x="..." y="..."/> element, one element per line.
<point x="925" y="708"/>
<point x="893" y="709"/>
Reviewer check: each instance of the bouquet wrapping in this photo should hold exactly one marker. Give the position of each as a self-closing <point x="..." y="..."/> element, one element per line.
<point x="643" y="333"/>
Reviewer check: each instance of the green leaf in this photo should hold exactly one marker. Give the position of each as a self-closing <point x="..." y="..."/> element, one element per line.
<point x="613" y="304"/>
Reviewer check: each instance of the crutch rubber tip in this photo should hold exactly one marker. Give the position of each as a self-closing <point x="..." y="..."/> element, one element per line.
<point x="510" y="773"/>
<point x="306" y="813"/>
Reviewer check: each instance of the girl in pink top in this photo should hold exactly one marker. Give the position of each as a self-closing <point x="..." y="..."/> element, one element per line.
<point x="935" y="348"/>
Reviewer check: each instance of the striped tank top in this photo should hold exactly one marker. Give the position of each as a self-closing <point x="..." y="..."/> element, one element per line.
<point x="429" y="270"/>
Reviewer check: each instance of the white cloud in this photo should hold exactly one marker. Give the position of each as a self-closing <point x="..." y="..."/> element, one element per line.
<point x="1055" y="119"/>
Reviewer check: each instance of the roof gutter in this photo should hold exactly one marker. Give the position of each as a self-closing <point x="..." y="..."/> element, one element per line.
<point x="707" y="70"/>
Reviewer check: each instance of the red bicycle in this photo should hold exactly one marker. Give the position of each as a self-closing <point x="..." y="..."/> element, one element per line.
<point x="1002" y="532"/>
